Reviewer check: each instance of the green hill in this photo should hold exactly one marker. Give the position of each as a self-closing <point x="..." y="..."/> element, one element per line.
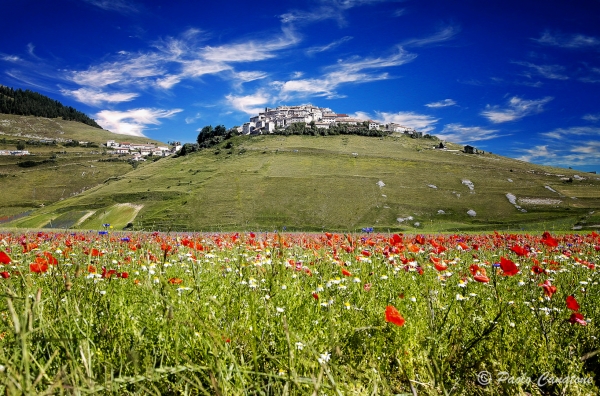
<point x="56" y="169"/>
<point x="334" y="183"/>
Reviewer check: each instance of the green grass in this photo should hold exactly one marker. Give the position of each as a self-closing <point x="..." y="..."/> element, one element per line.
<point x="63" y="172"/>
<point x="234" y="315"/>
<point x="316" y="183"/>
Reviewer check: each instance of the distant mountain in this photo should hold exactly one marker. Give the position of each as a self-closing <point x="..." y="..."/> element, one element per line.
<point x="27" y="102"/>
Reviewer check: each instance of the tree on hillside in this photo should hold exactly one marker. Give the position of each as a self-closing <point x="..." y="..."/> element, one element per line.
<point x="29" y="103"/>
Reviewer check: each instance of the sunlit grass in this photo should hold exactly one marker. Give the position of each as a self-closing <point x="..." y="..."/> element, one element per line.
<point x="296" y="313"/>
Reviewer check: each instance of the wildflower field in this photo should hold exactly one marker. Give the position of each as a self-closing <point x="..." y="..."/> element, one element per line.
<point x="299" y="314"/>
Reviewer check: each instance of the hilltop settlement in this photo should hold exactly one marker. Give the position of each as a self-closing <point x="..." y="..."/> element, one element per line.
<point x="282" y="117"/>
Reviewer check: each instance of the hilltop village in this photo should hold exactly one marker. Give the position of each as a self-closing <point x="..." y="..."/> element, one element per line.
<point x="139" y="151"/>
<point x="282" y="117"/>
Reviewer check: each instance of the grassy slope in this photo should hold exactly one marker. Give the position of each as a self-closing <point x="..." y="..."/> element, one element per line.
<point x="314" y="183"/>
<point x="24" y="127"/>
<point x="74" y="170"/>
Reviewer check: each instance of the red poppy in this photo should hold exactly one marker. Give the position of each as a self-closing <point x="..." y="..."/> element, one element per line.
<point x="548" y="240"/>
<point x="108" y="273"/>
<point x="576" y="317"/>
<point x="508" y="267"/>
<point x="463" y="246"/>
<point x="572" y="303"/>
<point x="345" y="272"/>
<point x="40" y="266"/>
<point x="123" y="275"/>
<point x="481" y="278"/>
<point x="549" y="289"/>
<point x="315" y="296"/>
<point x="367" y="287"/>
<point x="393" y="316"/>
<point x="413" y="248"/>
<point x="520" y="251"/>
<point x="441" y="266"/>
<point x="175" y="281"/>
<point x="536" y="269"/>
<point x="396" y="239"/>
<point x="474" y="269"/>
<point x="51" y="259"/>
<point x="4" y="258"/>
<point x="5" y="274"/>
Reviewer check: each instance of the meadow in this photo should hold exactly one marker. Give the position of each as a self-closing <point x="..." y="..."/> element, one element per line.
<point x="309" y="183"/>
<point x="299" y="314"/>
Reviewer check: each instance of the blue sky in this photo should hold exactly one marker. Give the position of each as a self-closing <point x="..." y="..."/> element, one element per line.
<point x="517" y="78"/>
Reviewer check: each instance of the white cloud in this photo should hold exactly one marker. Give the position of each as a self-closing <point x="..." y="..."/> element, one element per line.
<point x="245" y="103"/>
<point x="132" y="122"/>
<point x="176" y="59"/>
<point x="553" y="72"/>
<point x="583" y="153"/>
<point x="516" y="109"/>
<point x="194" y="118"/>
<point x="537" y="153"/>
<point x="442" y="103"/>
<point x="247" y="76"/>
<point x="444" y="34"/>
<point x="355" y="70"/>
<point x="11" y="58"/>
<point x="458" y="133"/>
<point x="114" y="5"/>
<point x="328" y="9"/>
<point x="95" y="97"/>
<point x="570" y="41"/>
<point x="250" y="51"/>
<point x="562" y="133"/>
<point x="419" y="122"/>
<point x="334" y="44"/>
<point x="592" y="117"/>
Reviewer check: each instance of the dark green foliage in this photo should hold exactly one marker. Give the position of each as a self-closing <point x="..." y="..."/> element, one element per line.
<point x="27" y="102"/>
<point x="187" y="149"/>
<point x="30" y="163"/>
<point x="210" y="137"/>
<point x="20" y="145"/>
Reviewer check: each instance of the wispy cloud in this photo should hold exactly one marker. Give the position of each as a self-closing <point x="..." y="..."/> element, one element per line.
<point x="192" y="119"/>
<point x="250" y="51"/>
<point x="592" y="117"/>
<point x="570" y="41"/>
<point x="122" y="6"/>
<point x="352" y="71"/>
<point x="442" y="103"/>
<point x="419" y="122"/>
<point x="553" y="72"/>
<point x="96" y="98"/>
<point x="326" y="9"/>
<point x="249" y="104"/>
<point x="565" y="133"/>
<point x="132" y="122"/>
<point x="458" y="133"/>
<point x="176" y="59"/>
<point x="583" y="153"/>
<point x="515" y="109"/>
<point x="444" y="34"/>
<point x="327" y="47"/>
<point x="574" y="146"/>
<point x="10" y="58"/>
